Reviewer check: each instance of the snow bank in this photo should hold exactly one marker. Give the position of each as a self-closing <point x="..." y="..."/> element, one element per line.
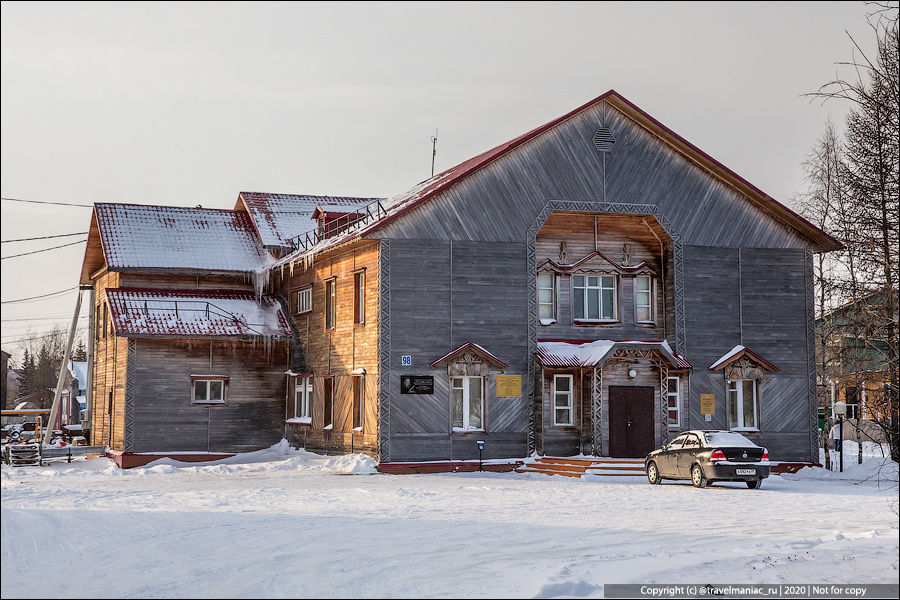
<point x="881" y="470"/>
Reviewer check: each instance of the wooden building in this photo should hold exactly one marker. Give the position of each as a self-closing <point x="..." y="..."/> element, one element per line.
<point x="593" y="286"/>
<point x="187" y="354"/>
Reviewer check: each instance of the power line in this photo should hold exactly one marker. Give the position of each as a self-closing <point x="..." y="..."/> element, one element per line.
<point x="42" y="296"/>
<point x="40" y="202"/>
<point x="46" y="237"/>
<point x="44" y="250"/>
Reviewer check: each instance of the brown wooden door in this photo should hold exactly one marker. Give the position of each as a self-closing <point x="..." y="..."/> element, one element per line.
<point x="630" y="421"/>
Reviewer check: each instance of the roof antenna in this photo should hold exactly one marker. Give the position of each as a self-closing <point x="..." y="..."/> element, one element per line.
<point x="433" y="150"/>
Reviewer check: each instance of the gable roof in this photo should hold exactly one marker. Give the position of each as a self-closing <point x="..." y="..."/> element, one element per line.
<point x="279" y="217"/>
<point x="595" y="353"/>
<point x="401" y="204"/>
<point x="132" y="237"/>
<point x="738" y="352"/>
<point x="140" y="312"/>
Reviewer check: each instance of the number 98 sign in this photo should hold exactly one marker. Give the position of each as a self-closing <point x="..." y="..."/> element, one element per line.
<point x="405" y="360"/>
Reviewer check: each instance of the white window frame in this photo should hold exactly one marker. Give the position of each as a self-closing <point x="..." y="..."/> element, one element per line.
<point x="303" y="300"/>
<point x="650" y="296"/>
<point x="465" y="424"/>
<point x="673" y="397"/>
<point x="303" y="389"/>
<point x="551" y="305"/>
<point x="586" y="290"/>
<point x="208" y="384"/>
<point x="568" y="397"/>
<point x="736" y="400"/>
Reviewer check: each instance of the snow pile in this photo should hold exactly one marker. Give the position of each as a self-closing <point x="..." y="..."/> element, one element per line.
<point x="880" y="470"/>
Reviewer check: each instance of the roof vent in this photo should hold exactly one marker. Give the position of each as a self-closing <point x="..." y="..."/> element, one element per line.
<point x="604" y="140"/>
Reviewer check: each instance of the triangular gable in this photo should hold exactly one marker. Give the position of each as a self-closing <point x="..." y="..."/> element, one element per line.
<point x="585" y="353"/>
<point x="737" y="353"/>
<point x="596" y="261"/>
<point x="475" y="349"/>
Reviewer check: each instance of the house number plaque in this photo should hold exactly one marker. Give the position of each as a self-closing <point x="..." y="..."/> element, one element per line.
<point x="416" y="384"/>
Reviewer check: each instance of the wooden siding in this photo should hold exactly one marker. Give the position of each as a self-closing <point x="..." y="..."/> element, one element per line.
<point x="184" y="282"/>
<point x="338" y="352"/>
<point x="503" y="198"/>
<point x="577" y="231"/>
<point x="444" y="295"/>
<point x="164" y="417"/>
<point x="110" y="369"/>
<point x="755" y="297"/>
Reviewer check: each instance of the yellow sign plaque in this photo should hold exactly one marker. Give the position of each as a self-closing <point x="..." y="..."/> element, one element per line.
<point x="707" y="404"/>
<point x="509" y="385"/>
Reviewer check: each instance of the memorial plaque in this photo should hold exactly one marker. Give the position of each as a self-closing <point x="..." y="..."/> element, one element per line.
<point x="509" y="386"/>
<point x="707" y="404"/>
<point x="416" y="384"/>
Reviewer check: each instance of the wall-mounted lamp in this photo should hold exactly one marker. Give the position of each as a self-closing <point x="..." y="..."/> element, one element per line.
<point x="632" y="373"/>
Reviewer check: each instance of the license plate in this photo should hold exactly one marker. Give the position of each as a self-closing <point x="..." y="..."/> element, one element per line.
<point x="745" y="471"/>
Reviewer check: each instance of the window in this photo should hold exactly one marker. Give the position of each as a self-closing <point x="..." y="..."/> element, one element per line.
<point x="359" y="297"/>
<point x="302" y="300"/>
<point x="674" y="406"/>
<point x="743" y="405"/>
<point x="328" y="400"/>
<point x="210" y="390"/>
<point x="851" y="399"/>
<point x="562" y="400"/>
<point x="329" y="304"/>
<point x="358" y="401"/>
<point x="677" y="442"/>
<point x="546" y="298"/>
<point x="468" y="403"/>
<point x="303" y="387"/>
<point x="643" y="298"/>
<point x="595" y="297"/>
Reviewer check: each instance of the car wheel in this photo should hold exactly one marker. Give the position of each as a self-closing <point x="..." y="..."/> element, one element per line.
<point x="753" y="484"/>
<point x="653" y="474"/>
<point x="697" y="478"/>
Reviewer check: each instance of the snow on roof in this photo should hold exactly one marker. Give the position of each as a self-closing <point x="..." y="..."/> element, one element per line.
<point x="575" y="353"/>
<point x="735" y="352"/>
<point x="79" y="372"/>
<point x="279" y="217"/>
<point x="480" y="349"/>
<point x="195" y="313"/>
<point x="173" y="237"/>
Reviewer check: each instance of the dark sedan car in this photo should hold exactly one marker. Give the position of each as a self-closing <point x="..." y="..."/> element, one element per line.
<point x="708" y="456"/>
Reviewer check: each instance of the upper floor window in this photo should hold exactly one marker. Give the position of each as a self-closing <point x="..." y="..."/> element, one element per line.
<point x="743" y="404"/>
<point x="643" y="299"/>
<point x="359" y="297"/>
<point x="330" y="304"/>
<point x="301" y="300"/>
<point x="595" y="297"/>
<point x="546" y="298"/>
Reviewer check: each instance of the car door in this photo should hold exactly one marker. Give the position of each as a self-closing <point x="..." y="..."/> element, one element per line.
<point x="665" y="461"/>
<point x="687" y="454"/>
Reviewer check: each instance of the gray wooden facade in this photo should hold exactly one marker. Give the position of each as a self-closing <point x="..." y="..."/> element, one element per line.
<point x="735" y="269"/>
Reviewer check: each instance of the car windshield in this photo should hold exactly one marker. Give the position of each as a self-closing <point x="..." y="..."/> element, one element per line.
<point x="728" y="439"/>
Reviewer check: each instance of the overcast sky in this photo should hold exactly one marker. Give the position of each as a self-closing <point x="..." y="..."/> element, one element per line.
<point x="191" y="103"/>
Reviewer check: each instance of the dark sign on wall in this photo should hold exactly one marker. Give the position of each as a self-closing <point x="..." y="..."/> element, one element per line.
<point x="416" y="384"/>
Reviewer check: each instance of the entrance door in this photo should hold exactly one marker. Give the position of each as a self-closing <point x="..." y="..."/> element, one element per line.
<point x="630" y="421"/>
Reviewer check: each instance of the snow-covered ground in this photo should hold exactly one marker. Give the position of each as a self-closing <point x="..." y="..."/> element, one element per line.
<point x="284" y="523"/>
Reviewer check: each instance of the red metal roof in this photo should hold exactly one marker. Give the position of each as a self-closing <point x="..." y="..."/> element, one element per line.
<point x="195" y="313"/>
